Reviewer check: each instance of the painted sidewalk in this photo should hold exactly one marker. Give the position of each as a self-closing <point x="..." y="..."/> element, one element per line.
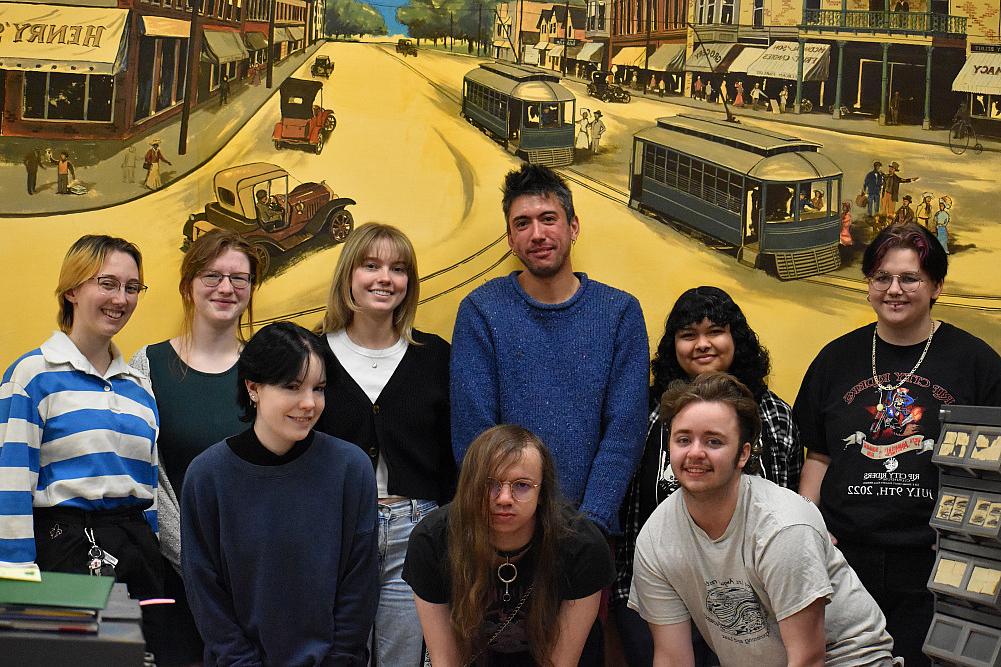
<point x="98" y="163"/>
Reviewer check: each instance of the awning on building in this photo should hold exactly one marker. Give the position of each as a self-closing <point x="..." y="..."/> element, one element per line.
<point x="50" y="38"/>
<point x="555" y="51"/>
<point x="981" y="74"/>
<point x="573" y="51"/>
<point x="499" y="43"/>
<point x="223" y="46"/>
<point x="591" y="52"/>
<point x="668" y="58"/>
<point x="744" y="59"/>
<point x="781" y="61"/>
<point x="281" y="35"/>
<point x="630" y="56"/>
<point x="541" y="46"/>
<point x="255" y="41"/>
<point x="711" y="57"/>
<point x="161" y="26"/>
<point x="296" y="32"/>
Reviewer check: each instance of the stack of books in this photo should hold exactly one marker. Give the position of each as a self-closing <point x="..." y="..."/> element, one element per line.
<point x="58" y="603"/>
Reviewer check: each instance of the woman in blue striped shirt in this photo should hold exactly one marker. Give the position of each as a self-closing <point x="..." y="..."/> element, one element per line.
<point x="78" y="431"/>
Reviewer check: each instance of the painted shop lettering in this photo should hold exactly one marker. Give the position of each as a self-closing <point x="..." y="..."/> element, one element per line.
<point x="993" y="70"/>
<point x="51" y="33"/>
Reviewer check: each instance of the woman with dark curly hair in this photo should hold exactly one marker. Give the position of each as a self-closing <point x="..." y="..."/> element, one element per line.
<point x="705" y="331"/>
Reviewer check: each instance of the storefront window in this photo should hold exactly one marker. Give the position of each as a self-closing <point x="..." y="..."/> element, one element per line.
<point x="168" y="63"/>
<point x="986" y="106"/>
<point x="147" y="58"/>
<point x="726" y="14"/>
<point x="60" y="96"/>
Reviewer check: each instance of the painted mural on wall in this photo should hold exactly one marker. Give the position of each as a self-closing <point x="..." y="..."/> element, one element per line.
<point x="758" y="149"/>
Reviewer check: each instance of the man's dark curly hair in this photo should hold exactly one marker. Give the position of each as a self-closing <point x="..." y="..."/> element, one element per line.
<point x="750" y="359"/>
<point x="536" y="179"/>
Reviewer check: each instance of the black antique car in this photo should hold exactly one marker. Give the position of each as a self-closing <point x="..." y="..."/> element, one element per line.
<point x="303" y="123"/>
<point x="322" y="66"/>
<point x="604" y="91"/>
<point x="406" y="47"/>
<point x="254" y="200"/>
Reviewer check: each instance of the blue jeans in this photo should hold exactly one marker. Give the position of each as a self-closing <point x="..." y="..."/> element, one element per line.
<point x="873" y="207"/>
<point x="397" y="640"/>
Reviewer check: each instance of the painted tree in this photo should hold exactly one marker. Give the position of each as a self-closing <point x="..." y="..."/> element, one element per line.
<point x="350" y="17"/>
<point x="424" y="19"/>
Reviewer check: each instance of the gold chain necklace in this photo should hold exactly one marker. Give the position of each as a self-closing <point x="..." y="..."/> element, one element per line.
<point x="906" y="378"/>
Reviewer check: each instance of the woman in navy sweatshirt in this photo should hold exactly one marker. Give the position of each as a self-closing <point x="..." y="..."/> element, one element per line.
<point x="278" y="523"/>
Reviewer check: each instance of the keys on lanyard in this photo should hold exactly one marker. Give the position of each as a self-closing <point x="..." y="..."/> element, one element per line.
<point x="101" y="563"/>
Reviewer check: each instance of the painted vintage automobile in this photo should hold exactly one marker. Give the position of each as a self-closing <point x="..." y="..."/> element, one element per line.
<point x="303" y="122"/>
<point x="254" y="200"/>
<point x="322" y="66"/>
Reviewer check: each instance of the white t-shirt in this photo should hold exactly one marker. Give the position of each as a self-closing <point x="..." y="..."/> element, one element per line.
<point x="371" y="370"/>
<point x="774" y="559"/>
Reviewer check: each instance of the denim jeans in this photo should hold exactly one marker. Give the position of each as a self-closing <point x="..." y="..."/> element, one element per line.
<point x="397" y="639"/>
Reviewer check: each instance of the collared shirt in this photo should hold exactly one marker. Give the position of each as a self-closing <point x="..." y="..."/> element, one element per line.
<point x="71" y="436"/>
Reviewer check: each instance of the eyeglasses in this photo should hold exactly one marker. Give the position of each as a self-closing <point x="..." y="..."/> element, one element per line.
<point x="237" y="280"/>
<point x="909" y="282"/>
<point x="521" y="489"/>
<point x="111" y="285"/>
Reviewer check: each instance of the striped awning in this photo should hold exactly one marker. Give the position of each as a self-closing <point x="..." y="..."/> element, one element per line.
<point x="630" y="56"/>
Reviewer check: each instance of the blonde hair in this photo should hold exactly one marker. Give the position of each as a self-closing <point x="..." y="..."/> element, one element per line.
<point x="82" y="262"/>
<point x="205" y="250"/>
<point x="360" y="245"/>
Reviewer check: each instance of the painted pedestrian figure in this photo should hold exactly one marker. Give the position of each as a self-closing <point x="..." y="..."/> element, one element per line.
<point x="925" y="211"/>
<point x="151" y="163"/>
<point x="756" y="93"/>
<point x="32" y="161"/>
<point x="583" y="139"/>
<point x="64" y="172"/>
<point x="697" y="88"/>
<point x="873" y="188"/>
<point x="783" y="99"/>
<point x="597" y="128"/>
<point x="942" y="220"/>
<point x="129" y="162"/>
<point x="223" y="90"/>
<point x="891" y="191"/>
<point x="905" y="213"/>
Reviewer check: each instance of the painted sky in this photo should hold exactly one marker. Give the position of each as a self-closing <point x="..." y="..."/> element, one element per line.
<point x="388" y="10"/>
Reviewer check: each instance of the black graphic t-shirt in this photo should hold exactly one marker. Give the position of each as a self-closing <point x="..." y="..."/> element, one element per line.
<point x="585" y="568"/>
<point x="881" y="484"/>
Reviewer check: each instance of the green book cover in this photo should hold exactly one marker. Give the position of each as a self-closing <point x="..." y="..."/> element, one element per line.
<point x="57" y="589"/>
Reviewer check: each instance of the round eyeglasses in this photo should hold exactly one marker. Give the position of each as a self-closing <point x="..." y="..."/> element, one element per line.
<point x="111" y="285"/>
<point x="237" y="280"/>
<point x="521" y="489"/>
<point x="909" y="282"/>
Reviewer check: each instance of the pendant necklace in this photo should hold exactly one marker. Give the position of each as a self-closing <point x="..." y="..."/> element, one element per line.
<point x="507" y="572"/>
<point x="891" y="388"/>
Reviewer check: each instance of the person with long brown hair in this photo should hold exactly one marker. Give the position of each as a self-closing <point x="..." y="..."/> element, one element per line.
<point x="194" y="381"/>
<point x="508" y="574"/>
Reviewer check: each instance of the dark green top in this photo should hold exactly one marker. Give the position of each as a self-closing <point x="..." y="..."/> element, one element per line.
<point x="197" y="409"/>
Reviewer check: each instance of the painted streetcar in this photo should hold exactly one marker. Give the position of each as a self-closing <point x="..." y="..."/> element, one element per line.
<point x="524" y="108"/>
<point x="773" y="197"/>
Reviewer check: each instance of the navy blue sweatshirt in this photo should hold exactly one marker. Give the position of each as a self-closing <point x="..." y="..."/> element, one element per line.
<point x="280" y="562"/>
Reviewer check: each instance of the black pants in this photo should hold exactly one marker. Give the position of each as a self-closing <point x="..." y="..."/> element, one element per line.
<point x="61" y="546"/>
<point x="897" y="578"/>
<point x="637" y="641"/>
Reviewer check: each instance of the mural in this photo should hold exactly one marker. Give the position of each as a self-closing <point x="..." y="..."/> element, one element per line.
<point x="758" y="150"/>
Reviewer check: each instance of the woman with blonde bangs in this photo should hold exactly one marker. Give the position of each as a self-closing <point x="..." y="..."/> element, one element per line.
<point x="508" y="573"/>
<point x="194" y="380"/>
<point x="78" y="429"/>
<point x="387" y="392"/>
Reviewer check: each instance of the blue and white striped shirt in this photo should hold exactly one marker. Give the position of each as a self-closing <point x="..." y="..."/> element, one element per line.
<point x="72" y="437"/>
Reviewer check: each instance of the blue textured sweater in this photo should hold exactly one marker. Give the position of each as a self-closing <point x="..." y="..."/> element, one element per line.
<point x="280" y="562"/>
<point x="575" y="373"/>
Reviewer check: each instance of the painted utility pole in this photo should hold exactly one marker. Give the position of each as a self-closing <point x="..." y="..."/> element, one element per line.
<point x="479" y="27"/>
<point x="451" y="32"/>
<point x="190" y="79"/>
<point x="566" y="38"/>
<point x="649" y="26"/>
<point x="271" y="44"/>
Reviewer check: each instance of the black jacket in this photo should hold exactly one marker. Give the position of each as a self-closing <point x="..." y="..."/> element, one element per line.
<point x="409" y="424"/>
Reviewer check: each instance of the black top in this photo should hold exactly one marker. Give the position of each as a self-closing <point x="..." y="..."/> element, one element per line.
<point x="196" y="409"/>
<point x="249" y="448"/>
<point x="409" y="424"/>
<point x="881" y="484"/>
<point x="585" y="567"/>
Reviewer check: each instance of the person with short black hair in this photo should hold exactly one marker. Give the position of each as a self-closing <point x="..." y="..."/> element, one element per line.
<point x="868" y="412"/>
<point x="749" y="562"/>
<point x="507" y="574"/>
<point x="278" y="523"/>
<point x="554" y="351"/>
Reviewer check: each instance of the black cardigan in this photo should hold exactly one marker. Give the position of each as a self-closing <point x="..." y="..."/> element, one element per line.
<point x="409" y="425"/>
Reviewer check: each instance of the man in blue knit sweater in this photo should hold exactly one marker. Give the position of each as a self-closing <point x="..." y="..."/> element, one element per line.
<point x="555" y="352"/>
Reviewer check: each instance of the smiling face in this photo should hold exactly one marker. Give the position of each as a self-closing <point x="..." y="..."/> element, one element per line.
<point x="896" y="309"/>
<point x="513" y="521"/>
<point x="286" y="413"/>
<point x="99" y="314"/>
<point x="539" y="234"/>
<point x="703" y="347"/>
<point x="379" y="284"/>
<point x="222" y="304"/>
<point x="706" y="453"/>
